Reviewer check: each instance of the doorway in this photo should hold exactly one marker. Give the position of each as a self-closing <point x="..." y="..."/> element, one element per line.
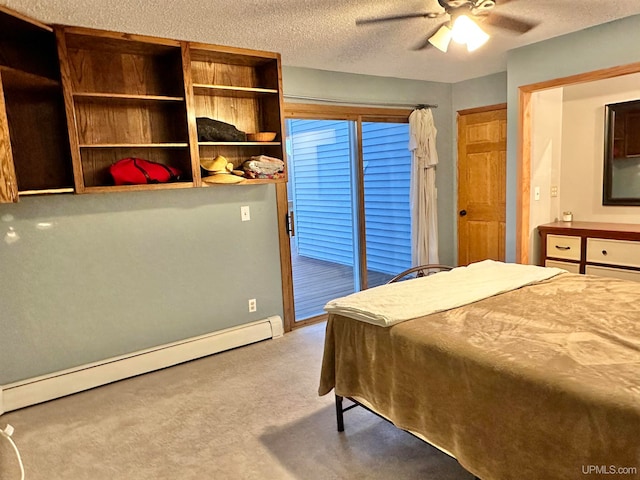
<point x="482" y="153"/>
<point x="526" y="132"/>
<point x="348" y="204"/>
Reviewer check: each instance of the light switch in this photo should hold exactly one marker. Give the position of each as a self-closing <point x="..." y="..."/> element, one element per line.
<point x="536" y="193"/>
<point x="245" y="214"/>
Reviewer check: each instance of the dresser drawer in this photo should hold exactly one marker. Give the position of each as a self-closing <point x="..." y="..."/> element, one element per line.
<point x="563" y="246"/>
<point x="613" y="272"/>
<point x="613" y="252"/>
<point x="569" y="267"/>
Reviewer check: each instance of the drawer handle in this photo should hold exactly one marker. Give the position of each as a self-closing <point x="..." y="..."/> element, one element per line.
<point x="604" y="252"/>
<point x="562" y="248"/>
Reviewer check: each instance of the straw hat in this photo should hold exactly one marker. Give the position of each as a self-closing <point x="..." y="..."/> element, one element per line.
<point x="220" y="170"/>
<point x="216" y="165"/>
<point x="223" y="178"/>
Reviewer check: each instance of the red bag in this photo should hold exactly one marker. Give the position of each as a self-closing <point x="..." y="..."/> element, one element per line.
<point x="135" y="171"/>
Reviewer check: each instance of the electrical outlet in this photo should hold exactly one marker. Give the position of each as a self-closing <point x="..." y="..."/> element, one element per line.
<point x="252" y="305"/>
<point x="554" y="190"/>
<point x="245" y="214"/>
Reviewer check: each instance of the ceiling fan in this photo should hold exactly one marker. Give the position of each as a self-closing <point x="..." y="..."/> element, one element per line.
<point x="461" y="24"/>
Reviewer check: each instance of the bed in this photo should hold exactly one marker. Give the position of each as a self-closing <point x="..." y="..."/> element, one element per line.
<point x="538" y="379"/>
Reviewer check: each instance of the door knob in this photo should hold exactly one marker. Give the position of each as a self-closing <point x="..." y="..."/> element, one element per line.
<point x="463" y="213"/>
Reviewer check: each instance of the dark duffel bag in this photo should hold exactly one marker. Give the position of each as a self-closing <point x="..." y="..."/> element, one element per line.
<point x="210" y="130"/>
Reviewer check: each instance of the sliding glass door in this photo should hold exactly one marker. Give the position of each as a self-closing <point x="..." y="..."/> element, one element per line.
<point x="387" y="213"/>
<point x="322" y="202"/>
<point x="348" y="196"/>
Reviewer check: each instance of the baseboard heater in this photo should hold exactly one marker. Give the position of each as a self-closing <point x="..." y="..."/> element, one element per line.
<point x="47" y="387"/>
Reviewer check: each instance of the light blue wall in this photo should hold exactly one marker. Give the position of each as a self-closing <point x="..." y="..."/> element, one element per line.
<point x="479" y="92"/>
<point x="387" y="90"/>
<point x="603" y="46"/>
<point x="99" y="275"/>
<point x="121" y="272"/>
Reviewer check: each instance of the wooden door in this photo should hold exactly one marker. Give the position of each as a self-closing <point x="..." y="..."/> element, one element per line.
<point x="482" y="155"/>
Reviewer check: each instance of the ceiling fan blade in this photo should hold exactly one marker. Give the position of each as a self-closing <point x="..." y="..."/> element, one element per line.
<point x="508" y="23"/>
<point x="364" y="21"/>
<point x="425" y="43"/>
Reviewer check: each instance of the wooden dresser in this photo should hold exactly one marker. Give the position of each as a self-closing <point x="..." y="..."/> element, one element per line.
<point x="606" y="249"/>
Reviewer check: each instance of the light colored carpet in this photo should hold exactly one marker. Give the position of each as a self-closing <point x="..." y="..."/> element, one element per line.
<point x="249" y="413"/>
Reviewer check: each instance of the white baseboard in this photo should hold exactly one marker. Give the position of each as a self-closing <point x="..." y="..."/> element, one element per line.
<point x="47" y="387"/>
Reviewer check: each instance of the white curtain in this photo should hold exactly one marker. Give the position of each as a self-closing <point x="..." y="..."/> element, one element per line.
<point x="424" y="208"/>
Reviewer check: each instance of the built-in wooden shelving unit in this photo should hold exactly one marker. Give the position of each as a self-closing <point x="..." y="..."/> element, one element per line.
<point x="100" y="96"/>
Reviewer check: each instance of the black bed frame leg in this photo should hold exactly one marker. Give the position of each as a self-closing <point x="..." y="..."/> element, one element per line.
<point x="339" y="413"/>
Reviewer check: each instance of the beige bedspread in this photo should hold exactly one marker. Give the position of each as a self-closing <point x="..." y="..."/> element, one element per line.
<point x="539" y="383"/>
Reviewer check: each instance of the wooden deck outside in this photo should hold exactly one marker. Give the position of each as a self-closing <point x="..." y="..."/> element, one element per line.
<point x="315" y="282"/>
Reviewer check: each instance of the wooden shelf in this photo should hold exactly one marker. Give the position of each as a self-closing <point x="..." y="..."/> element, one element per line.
<point x="135" y="145"/>
<point x="237" y="144"/>
<point x="262" y="181"/>
<point x="242" y="88"/>
<point x="136" y="188"/>
<point x="45" y="191"/>
<point x="34" y="147"/>
<point x="204" y="52"/>
<point x="248" y="181"/>
<point x="83" y="38"/>
<point x="18" y="23"/>
<point x="18" y="79"/>
<point x="232" y="91"/>
<point x="136" y="96"/>
<point x="125" y="97"/>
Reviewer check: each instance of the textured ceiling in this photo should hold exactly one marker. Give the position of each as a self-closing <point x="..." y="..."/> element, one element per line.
<point x="322" y="33"/>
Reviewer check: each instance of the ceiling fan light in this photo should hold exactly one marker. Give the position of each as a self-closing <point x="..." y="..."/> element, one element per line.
<point x="441" y="38"/>
<point x="461" y="27"/>
<point x="476" y="40"/>
<point x="466" y="31"/>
